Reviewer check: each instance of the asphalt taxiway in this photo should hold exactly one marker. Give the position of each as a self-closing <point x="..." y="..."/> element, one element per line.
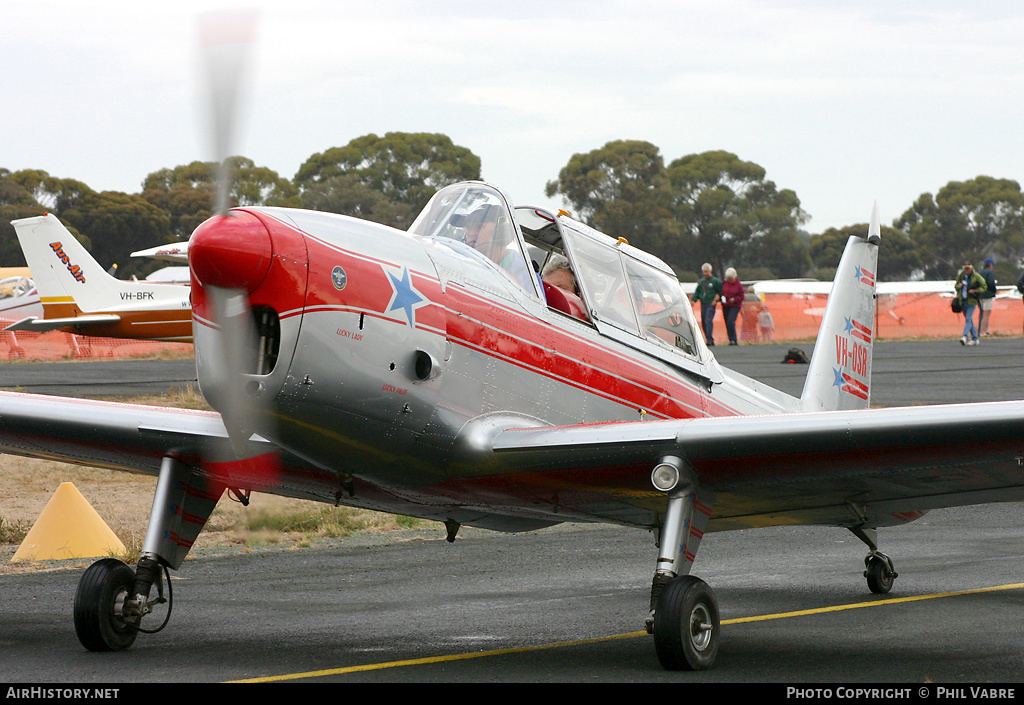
<point x="567" y="604"/>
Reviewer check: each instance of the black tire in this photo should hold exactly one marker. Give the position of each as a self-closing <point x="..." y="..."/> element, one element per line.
<point x="880" y="577"/>
<point x="103" y="585"/>
<point x="682" y="637"/>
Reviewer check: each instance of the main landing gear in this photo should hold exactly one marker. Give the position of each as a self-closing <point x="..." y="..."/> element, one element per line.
<point x="684" y="612"/>
<point x="111" y="601"/>
<point x="684" y="616"/>
<point x="112" y="598"/>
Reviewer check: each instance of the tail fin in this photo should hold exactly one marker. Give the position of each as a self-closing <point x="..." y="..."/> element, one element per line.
<point x="839" y="376"/>
<point x="65" y="274"/>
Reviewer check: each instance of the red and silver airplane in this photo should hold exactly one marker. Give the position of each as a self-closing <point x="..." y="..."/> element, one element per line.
<point x="79" y="296"/>
<point x="433" y="373"/>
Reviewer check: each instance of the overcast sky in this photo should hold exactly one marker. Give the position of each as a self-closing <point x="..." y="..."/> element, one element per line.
<point x="842" y="101"/>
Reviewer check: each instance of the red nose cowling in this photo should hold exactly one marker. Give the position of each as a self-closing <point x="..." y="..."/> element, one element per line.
<point x="231" y="251"/>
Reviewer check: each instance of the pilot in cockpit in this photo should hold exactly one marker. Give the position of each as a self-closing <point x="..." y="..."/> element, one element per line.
<point x="485" y="234"/>
<point x="481" y="226"/>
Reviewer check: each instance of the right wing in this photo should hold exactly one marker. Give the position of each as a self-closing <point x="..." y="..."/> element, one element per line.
<point x="872" y="467"/>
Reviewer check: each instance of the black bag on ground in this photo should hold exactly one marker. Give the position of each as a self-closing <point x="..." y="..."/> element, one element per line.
<point x="796" y="356"/>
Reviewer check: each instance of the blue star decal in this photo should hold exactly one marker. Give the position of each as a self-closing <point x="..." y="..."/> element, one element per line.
<point x="849" y="323"/>
<point x="856" y="273"/>
<point x="405" y="297"/>
<point x="838" y="382"/>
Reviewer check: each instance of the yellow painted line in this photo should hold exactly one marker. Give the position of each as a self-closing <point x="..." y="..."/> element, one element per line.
<point x="435" y="659"/>
<point x="630" y="635"/>
<point x="875" y="603"/>
<point x="57" y="299"/>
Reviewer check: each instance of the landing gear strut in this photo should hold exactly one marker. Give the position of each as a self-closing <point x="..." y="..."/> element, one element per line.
<point x="112" y="598"/>
<point x="684" y="612"/>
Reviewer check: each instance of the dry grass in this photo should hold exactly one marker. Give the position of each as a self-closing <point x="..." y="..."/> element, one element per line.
<point x="124" y="500"/>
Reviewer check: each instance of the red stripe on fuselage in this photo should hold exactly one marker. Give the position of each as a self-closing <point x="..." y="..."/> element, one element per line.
<point x="495" y="328"/>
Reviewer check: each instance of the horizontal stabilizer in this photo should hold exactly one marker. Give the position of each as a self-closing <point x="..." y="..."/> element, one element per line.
<point x="42" y="325"/>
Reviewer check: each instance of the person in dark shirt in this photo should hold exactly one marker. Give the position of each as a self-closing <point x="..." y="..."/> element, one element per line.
<point x="708" y="292"/>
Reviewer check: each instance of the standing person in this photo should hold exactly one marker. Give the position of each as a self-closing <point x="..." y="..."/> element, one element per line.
<point x="766" y="323"/>
<point x="751" y="307"/>
<point x="1020" y="283"/>
<point x="968" y="285"/>
<point x="708" y="292"/>
<point x="986" y="299"/>
<point x="732" y="300"/>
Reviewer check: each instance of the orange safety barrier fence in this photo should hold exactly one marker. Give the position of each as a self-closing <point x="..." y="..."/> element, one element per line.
<point x="56" y="345"/>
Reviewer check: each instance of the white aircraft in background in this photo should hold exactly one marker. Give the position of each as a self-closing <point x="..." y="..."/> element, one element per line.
<point x="79" y="296"/>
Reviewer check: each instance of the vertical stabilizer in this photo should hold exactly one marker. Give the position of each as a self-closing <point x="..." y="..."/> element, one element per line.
<point x="839" y="376"/>
<point x="63" y="271"/>
<point x="70" y="282"/>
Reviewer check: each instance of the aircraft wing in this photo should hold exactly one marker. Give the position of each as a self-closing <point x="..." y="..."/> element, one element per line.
<point x="42" y="325"/>
<point x="105" y="434"/>
<point x="874" y="467"/>
<point x="135" y="438"/>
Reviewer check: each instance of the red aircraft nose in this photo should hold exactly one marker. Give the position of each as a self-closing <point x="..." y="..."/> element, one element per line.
<point x="231" y="252"/>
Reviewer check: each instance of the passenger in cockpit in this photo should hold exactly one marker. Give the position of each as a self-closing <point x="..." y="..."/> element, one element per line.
<point x="558" y="273"/>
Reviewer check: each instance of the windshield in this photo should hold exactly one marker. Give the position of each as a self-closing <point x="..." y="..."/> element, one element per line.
<point x="476" y="215"/>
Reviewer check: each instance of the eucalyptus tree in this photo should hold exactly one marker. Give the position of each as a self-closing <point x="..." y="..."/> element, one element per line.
<point x="982" y="217"/>
<point x="388" y="179"/>
<point x="734" y="215"/>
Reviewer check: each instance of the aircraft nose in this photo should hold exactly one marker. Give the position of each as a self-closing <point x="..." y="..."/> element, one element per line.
<point x="231" y="251"/>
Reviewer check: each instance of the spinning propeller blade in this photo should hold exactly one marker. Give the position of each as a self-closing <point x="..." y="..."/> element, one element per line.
<point x="228" y="349"/>
<point x="224" y="39"/>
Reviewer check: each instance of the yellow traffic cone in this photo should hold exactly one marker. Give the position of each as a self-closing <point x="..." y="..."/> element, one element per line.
<point x="68" y="527"/>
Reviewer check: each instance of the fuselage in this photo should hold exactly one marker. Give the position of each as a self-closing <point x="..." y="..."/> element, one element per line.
<point x="395" y="349"/>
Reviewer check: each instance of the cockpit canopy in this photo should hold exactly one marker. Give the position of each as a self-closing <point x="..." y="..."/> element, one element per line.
<point x="477" y="216"/>
<point x="620" y="289"/>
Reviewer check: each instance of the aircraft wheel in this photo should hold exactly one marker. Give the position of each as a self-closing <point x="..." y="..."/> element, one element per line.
<point x="101" y="593"/>
<point x="879" y="574"/>
<point x="686" y="625"/>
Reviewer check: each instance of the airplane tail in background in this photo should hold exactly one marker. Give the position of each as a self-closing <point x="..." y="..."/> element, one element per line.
<point x="77" y="294"/>
<point x="839" y="376"/>
<point x="67" y="276"/>
<point x="63" y="271"/>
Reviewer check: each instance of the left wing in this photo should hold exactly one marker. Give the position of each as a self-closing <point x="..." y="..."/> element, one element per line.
<point x="138" y="438"/>
<point x="863" y="468"/>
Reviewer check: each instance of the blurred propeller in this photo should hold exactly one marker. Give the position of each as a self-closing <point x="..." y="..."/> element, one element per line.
<point x="225" y="37"/>
<point x="225" y="349"/>
<point x="236" y="342"/>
